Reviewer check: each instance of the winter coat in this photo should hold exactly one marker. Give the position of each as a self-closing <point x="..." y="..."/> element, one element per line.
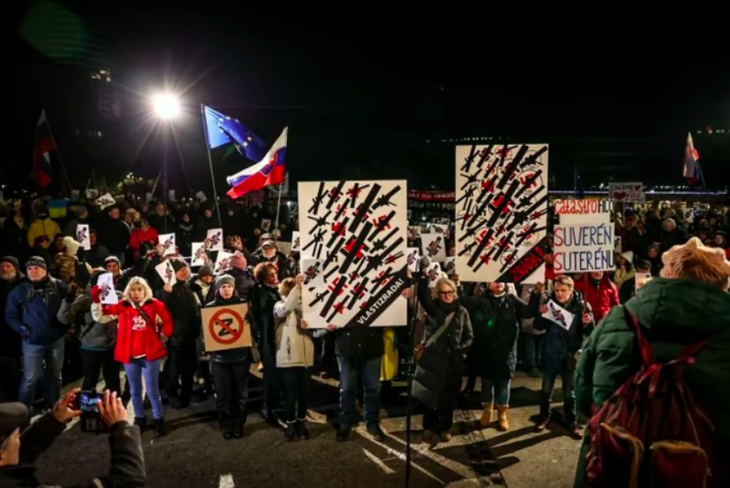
<point x="496" y="325"/>
<point x="126" y="313"/>
<point x="294" y="346"/>
<point x="44" y="227"/>
<point x="185" y="313"/>
<point x="262" y="301"/>
<point x="673" y="314"/>
<point x="561" y="344"/>
<point x="38" y="311"/>
<point x="70" y="269"/>
<point x="230" y="356"/>
<point x="95" y="336"/>
<point x="437" y="382"/>
<point x="10" y="341"/>
<point x="139" y="237"/>
<point x="601" y="298"/>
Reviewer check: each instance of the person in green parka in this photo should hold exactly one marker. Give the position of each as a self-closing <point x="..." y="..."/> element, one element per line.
<point x="686" y="304"/>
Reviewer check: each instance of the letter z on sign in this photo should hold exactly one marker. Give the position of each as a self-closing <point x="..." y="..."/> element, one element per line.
<point x="226" y="326"/>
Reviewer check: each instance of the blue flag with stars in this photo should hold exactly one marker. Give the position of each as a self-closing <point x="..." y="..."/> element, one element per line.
<point x="221" y="130"/>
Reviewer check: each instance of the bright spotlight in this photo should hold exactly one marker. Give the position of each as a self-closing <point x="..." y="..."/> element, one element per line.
<point x="166" y="106"/>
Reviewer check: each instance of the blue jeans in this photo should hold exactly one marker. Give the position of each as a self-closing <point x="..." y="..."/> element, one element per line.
<point x="534" y="346"/>
<point x="495" y="390"/>
<point x="34" y="358"/>
<point x="351" y="368"/>
<point x="151" y="372"/>
<point x="546" y="395"/>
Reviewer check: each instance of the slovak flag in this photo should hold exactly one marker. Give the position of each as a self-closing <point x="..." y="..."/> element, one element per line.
<point x="43" y="152"/>
<point x="691" y="162"/>
<point x="270" y="171"/>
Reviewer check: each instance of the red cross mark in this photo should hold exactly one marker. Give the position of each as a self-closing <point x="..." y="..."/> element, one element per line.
<point x="536" y="215"/>
<point x="526" y="232"/>
<point x="484" y="258"/>
<point x="334" y="284"/>
<point x="390" y="259"/>
<point x="498" y="201"/>
<point x="488" y="185"/>
<point x="502" y="152"/>
<point x="483" y="152"/>
<point x="335" y="193"/>
<point x="526" y="176"/>
<point x="503" y="243"/>
<point x="363" y="305"/>
<point x="381" y="219"/>
<point x="482" y="234"/>
<point x="354" y="276"/>
<point x="354" y="192"/>
<point x="339" y="307"/>
<point x="351" y="244"/>
<point x="338" y="229"/>
<point x="359" y="290"/>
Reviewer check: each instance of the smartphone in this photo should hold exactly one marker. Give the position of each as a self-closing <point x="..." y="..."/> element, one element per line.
<point x="86" y="401"/>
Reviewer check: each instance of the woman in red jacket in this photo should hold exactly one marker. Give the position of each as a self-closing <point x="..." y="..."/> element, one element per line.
<point x="143" y="235"/>
<point x="143" y="321"/>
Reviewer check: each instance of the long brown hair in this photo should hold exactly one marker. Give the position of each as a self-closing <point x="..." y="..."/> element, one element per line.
<point x="259" y="272"/>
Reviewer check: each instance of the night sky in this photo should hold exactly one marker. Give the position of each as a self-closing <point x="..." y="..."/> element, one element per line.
<point x="346" y="82"/>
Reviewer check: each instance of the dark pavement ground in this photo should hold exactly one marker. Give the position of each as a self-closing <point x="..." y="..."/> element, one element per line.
<point x="195" y="454"/>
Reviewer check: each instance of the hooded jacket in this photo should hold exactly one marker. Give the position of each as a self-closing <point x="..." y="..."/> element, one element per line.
<point x="673" y="313"/>
<point x="41" y="227"/>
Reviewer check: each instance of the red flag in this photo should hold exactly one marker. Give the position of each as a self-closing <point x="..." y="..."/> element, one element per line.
<point x="43" y="152"/>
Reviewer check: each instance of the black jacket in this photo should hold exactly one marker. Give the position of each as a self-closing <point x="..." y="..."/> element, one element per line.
<point x="185" y="314"/>
<point x="127" y="463"/>
<point x="366" y="342"/>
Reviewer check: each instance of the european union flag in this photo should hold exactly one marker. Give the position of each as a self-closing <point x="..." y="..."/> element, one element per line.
<point x="221" y="130"/>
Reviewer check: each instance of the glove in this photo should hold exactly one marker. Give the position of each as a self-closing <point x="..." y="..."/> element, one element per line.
<point x="96" y="294"/>
<point x="71" y="294"/>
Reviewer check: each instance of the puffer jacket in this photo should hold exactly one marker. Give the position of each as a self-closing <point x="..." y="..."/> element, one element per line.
<point x="37" y="311"/>
<point x="673" y="313"/>
<point x="294" y="346"/>
<point x="95" y="335"/>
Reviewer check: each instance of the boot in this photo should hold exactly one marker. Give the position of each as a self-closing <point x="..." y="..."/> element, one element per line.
<point x="502" y="423"/>
<point x="141" y="422"/>
<point x="302" y="430"/>
<point x="290" y="433"/>
<point x="487" y="415"/>
<point x="159" y="427"/>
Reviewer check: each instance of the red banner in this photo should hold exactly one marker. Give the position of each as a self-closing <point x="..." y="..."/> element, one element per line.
<point x="431" y="195"/>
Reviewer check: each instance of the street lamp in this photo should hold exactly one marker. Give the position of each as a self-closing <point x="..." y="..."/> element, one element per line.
<point x="166" y="106"/>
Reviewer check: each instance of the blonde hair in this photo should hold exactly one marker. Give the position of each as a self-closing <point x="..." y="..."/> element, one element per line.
<point x="444" y="281"/>
<point x="140" y="282"/>
<point x="286" y="286"/>
<point x="564" y="280"/>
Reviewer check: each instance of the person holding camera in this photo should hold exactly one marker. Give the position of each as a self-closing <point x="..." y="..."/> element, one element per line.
<point x="18" y="452"/>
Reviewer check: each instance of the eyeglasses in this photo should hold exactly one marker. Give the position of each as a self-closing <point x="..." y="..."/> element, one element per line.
<point x="448" y="293"/>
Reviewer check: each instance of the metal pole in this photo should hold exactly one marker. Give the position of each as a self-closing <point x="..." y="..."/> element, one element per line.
<point x="164" y="181"/>
<point x="210" y="163"/>
<point x="278" y="203"/>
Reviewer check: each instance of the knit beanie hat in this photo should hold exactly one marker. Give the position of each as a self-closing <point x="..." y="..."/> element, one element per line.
<point x="36" y="261"/>
<point x="177" y="264"/>
<point x="696" y="261"/>
<point x="12" y="260"/>
<point x="204" y="271"/>
<point x="112" y="259"/>
<point x="225" y="279"/>
<point x="72" y="246"/>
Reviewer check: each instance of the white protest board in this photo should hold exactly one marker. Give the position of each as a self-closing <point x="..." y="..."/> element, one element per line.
<point x="357" y="229"/>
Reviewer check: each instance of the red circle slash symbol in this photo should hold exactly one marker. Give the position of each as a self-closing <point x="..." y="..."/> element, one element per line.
<point x="225" y="320"/>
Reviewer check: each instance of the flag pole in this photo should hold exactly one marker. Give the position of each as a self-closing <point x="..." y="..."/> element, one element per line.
<point x="58" y="152"/>
<point x="278" y="203"/>
<point x="210" y="164"/>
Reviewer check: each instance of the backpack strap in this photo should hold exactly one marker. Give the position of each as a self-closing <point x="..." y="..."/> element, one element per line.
<point x="686" y="356"/>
